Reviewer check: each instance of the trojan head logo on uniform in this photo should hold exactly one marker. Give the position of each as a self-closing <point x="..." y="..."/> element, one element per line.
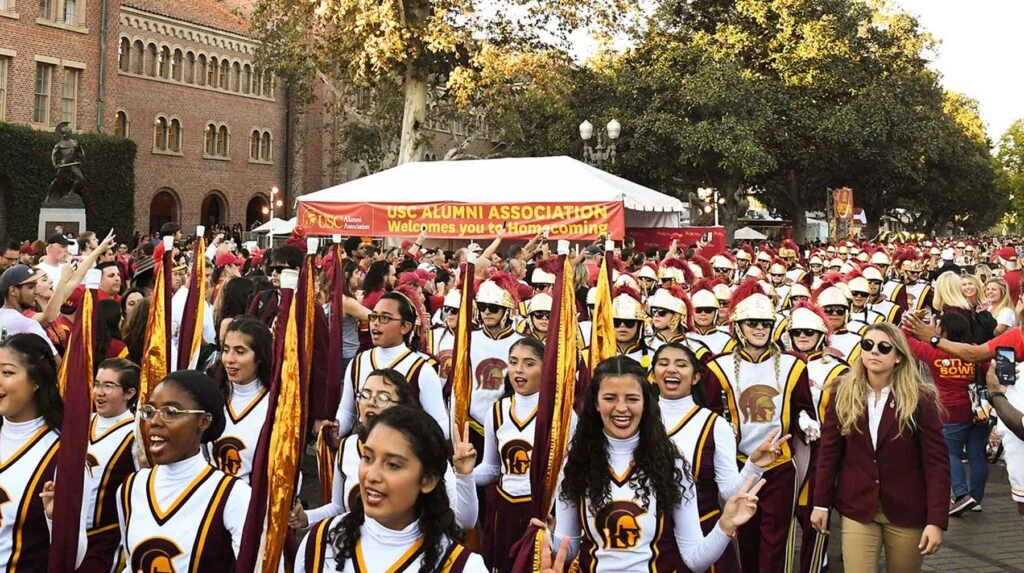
<point x="757" y="404"/>
<point x="516" y="457"/>
<point x="490" y="374"/>
<point x="155" y="555"/>
<point x="444" y="363"/>
<point x="4" y="498"/>
<point x="228" y="454"/>
<point x="91" y="462"/>
<point x="620" y="529"/>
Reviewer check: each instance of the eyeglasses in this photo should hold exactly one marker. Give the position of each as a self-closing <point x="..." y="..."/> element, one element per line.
<point x="835" y="310"/>
<point x="168" y="414"/>
<point x="705" y="310"/>
<point x="381" y="318"/>
<point x="105" y="386"/>
<point x="858" y="294"/>
<point x="662" y="312"/>
<point x="379" y="398"/>
<point x="541" y="315"/>
<point x="453" y="310"/>
<point x="805" y="332"/>
<point x="867" y="345"/>
<point x="491" y="308"/>
<point x="768" y="324"/>
<point x="624" y="322"/>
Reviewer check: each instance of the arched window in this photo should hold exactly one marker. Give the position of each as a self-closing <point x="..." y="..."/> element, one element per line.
<point x="254" y="145"/>
<point x="257" y="82"/>
<point x="190" y="68"/>
<point x="164" y="63"/>
<point x="174" y="136"/>
<point x="225" y="69"/>
<point x="138" y="51"/>
<point x="265" y="147"/>
<point x="236" y="77"/>
<point x="124" y="55"/>
<point x="176" y="65"/>
<point x="268" y="85"/>
<point x="151" y="60"/>
<point x="201" y="71"/>
<point x="160" y="133"/>
<point x="211" y="73"/>
<point x="121" y="124"/>
<point x="210" y="139"/>
<point x="222" y="141"/>
<point x="246" y="79"/>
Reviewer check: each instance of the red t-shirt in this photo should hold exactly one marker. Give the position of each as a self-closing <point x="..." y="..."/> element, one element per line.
<point x="952" y="377"/>
<point x="1011" y="338"/>
<point x="1012" y="279"/>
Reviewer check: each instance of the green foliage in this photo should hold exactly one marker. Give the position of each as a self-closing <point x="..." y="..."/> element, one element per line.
<point x="109" y="170"/>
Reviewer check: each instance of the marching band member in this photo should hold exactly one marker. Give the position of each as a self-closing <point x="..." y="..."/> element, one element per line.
<point x="919" y="292"/>
<point x="672" y="319"/>
<point x="893" y="288"/>
<point x="587" y="325"/>
<point x="628" y="317"/>
<point x="397" y="325"/>
<point x="384" y="389"/>
<point x="790" y="253"/>
<point x="183" y="514"/>
<point x="442" y="338"/>
<point x="816" y="266"/>
<point x="33" y="413"/>
<point x="109" y="458"/>
<point x="402" y="519"/>
<point x="890" y="310"/>
<point x="798" y="292"/>
<point x="647" y="277"/>
<point x="759" y="388"/>
<point x="675" y="272"/>
<point x="744" y="258"/>
<point x="725" y="268"/>
<point x="809" y="335"/>
<point x="860" y="307"/>
<point x="705" y="320"/>
<point x="539" y="313"/>
<point x="779" y="281"/>
<point x="247" y="360"/>
<point x="836" y="307"/>
<point x="625" y="484"/>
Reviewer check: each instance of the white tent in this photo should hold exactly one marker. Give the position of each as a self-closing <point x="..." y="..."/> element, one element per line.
<point x="277" y="226"/>
<point x="748" y="234"/>
<point x="508" y="181"/>
<point x="266" y="227"/>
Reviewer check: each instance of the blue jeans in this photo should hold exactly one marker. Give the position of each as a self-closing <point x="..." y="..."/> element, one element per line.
<point x="974" y="437"/>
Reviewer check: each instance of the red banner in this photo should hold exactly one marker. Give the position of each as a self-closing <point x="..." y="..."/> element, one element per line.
<point x="571" y="221"/>
<point x="662" y="238"/>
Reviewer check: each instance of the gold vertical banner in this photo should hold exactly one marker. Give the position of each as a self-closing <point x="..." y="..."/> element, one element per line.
<point x="842" y="200"/>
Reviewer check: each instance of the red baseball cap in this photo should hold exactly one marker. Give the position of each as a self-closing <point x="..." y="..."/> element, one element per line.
<point x="228" y="258"/>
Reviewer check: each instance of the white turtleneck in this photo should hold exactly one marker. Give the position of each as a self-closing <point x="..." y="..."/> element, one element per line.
<point x="104" y="424"/>
<point x="170" y="480"/>
<point x="382" y="549"/>
<point x="490" y="466"/>
<point x="430" y="388"/>
<point x="728" y="479"/>
<point x="93" y="476"/>
<point x="698" y="552"/>
<point x="243" y="394"/>
<point x="13" y="435"/>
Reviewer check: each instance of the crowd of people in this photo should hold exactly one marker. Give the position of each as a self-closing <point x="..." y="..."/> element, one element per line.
<point x="757" y="393"/>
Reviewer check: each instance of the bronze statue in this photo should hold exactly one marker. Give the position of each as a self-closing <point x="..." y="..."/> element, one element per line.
<point x="67" y="159"/>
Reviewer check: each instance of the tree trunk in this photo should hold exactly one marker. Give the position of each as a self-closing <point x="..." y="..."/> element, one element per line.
<point x="735" y="206"/>
<point x="797" y="210"/>
<point x="410" y="148"/>
<point x="873" y="214"/>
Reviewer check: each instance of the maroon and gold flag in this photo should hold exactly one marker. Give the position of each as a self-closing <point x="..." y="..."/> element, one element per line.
<point x="156" y="358"/>
<point x="554" y="412"/>
<point x="76" y="379"/>
<point x="190" y="332"/>
<point x="324" y="452"/>
<point x="460" y="378"/>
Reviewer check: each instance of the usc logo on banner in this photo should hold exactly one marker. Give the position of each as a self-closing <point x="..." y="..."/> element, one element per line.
<point x="516" y="457"/>
<point x="155" y="555"/>
<point x="228" y="453"/>
<point x="842" y="199"/>
<point x="619" y="527"/>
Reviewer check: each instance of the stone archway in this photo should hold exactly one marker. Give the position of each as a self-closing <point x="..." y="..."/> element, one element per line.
<point x="214" y="210"/>
<point x="257" y="212"/>
<point x="164" y="208"/>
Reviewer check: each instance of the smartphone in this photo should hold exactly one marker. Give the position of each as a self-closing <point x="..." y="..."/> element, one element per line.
<point x="706" y="237"/>
<point x="1006" y="365"/>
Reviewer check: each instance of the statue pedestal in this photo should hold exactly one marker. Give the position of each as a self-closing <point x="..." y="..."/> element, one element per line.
<point x="71" y="219"/>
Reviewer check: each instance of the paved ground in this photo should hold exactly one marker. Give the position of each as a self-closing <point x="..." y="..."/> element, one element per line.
<point x="991" y="541"/>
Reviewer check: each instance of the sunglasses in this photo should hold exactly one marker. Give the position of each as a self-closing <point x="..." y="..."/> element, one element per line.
<point x="816" y="267"/>
<point x="453" y="310"/>
<point x="835" y="310"/>
<point x="542" y="287"/>
<point x="867" y="345"/>
<point x="767" y="324"/>
<point x="806" y="332"/>
<point x="662" y="312"/>
<point x="705" y="310"/>
<point x="541" y="315"/>
<point x="857" y="294"/>
<point x="874" y="282"/>
<point x="722" y="270"/>
<point x="276" y="269"/>
<point x="666" y="281"/>
<point x="491" y="308"/>
<point x="624" y="322"/>
<point x="778" y="276"/>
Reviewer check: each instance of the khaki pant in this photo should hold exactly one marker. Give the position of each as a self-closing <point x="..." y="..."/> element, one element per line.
<point x="862" y="542"/>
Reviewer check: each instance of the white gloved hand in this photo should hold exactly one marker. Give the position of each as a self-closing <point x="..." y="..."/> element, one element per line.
<point x="810" y="427"/>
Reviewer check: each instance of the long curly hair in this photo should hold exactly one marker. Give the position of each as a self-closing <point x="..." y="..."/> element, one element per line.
<point x="656" y="473"/>
<point x="434" y="512"/>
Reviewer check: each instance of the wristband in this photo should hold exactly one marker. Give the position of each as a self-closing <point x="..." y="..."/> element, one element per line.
<point x="993" y="395"/>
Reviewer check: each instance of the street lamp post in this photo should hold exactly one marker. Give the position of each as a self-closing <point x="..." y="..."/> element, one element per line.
<point x="601" y="153"/>
<point x="712" y="194"/>
<point x="273" y="202"/>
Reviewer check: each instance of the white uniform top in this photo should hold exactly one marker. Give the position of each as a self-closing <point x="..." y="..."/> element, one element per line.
<point x="716" y="340"/>
<point x="245" y="416"/>
<point x="630" y="549"/>
<point x="461" y="489"/>
<point x="586" y="327"/>
<point x="868" y="316"/>
<point x="684" y="421"/>
<point x="442" y="342"/>
<point x="379" y="550"/>
<point x="27" y="461"/>
<point x="822" y="370"/>
<point x="403" y="359"/>
<point x="489" y="361"/>
<point x="848" y="344"/>
<point x="167" y="511"/>
<point x="178" y="313"/>
<point x="109" y="440"/>
<point x="916" y="294"/>
<point x="783" y="294"/>
<point x="508" y="446"/>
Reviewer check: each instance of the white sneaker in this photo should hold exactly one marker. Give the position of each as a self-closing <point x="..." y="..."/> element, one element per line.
<point x="976" y="508"/>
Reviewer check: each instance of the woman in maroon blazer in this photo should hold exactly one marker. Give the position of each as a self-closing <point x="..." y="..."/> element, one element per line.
<point x="883" y="462"/>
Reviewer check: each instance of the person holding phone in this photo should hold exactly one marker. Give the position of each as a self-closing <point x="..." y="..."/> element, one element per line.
<point x="1008" y="403"/>
<point x="881" y="440"/>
